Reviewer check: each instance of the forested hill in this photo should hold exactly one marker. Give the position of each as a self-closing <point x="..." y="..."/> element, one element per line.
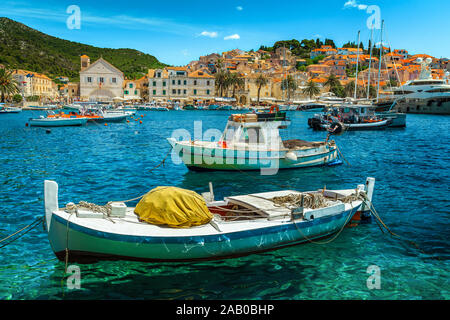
<point x="22" y="47"/>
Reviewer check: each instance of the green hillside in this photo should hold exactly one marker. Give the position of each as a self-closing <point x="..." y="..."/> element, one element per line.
<point x="24" y="48"/>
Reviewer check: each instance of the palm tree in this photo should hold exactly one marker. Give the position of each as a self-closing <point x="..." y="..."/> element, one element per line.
<point x="235" y="82"/>
<point x="311" y="89"/>
<point x="221" y="82"/>
<point x="8" y="85"/>
<point x="261" y="81"/>
<point x="332" y="82"/>
<point x="289" y="84"/>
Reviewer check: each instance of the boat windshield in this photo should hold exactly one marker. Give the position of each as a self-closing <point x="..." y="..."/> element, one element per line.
<point x="252" y="135"/>
<point x="230" y="132"/>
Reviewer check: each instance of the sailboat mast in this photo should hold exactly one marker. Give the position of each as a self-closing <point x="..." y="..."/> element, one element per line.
<point x="357" y="64"/>
<point x="370" y="62"/>
<point x="379" y="61"/>
<point x="284" y="71"/>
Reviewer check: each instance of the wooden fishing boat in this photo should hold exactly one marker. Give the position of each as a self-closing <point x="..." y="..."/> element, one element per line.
<point x="241" y="225"/>
<point x="252" y="141"/>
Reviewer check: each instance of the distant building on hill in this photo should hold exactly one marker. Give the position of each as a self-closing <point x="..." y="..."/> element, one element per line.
<point x="100" y="81"/>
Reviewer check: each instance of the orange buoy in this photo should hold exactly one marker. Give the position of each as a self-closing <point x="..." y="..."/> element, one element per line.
<point x="106" y="124"/>
<point x="128" y="120"/>
<point x="135" y="119"/>
<point x="140" y="121"/>
<point x="142" y="115"/>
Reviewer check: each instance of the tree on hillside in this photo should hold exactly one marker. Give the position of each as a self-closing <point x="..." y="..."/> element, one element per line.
<point x="332" y="81"/>
<point x="311" y="89"/>
<point x="289" y="84"/>
<point x="349" y="89"/>
<point x="8" y="85"/>
<point x="329" y="42"/>
<point x="261" y="81"/>
<point x="318" y="43"/>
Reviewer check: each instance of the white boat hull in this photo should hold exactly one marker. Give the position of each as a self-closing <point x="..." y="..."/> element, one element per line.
<point x="57" y="122"/>
<point x="198" y="157"/>
<point x="128" y="239"/>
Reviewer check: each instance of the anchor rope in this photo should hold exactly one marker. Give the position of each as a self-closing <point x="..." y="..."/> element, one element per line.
<point x="381" y="223"/>
<point x="28" y="228"/>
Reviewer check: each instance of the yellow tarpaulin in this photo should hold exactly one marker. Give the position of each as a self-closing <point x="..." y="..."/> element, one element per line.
<point x="175" y="207"/>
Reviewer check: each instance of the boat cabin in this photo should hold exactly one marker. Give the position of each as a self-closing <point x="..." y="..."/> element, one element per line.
<point x="257" y="130"/>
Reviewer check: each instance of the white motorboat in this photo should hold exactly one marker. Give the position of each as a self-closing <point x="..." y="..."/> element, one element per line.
<point x="56" y="122"/>
<point x="9" y="109"/>
<point x="425" y="94"/>
<point x="252" y="141"/>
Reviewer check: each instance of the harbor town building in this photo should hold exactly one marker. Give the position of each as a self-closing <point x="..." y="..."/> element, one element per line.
<point x="179" y="84"/>
<point x="100" y="81"/>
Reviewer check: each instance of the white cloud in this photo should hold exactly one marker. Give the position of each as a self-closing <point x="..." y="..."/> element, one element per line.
<point x="210" y="34"/>
<point x="354" y="4"/>
<point x="239" y="8"/>
<point x="232" y="37"/>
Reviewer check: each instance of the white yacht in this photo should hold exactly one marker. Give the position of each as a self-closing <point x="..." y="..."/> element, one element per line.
<point x="424" y="95"/>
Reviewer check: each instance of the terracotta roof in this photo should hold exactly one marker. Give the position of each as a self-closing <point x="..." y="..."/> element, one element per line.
<point x="200" y="74"/>
<point x="177" y="68"/>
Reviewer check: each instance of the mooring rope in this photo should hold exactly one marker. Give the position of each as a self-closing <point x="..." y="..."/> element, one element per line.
<point x="335" y="236"/>
<point x="28" y="228"/>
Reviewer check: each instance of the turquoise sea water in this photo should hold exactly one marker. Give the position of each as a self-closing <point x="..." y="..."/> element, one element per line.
<point x="98" y="163"/>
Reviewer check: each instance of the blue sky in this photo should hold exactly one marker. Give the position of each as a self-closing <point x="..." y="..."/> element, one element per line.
<point x="177" y="32"/>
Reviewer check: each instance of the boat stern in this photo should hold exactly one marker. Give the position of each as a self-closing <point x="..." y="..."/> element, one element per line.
<point x="50" y="201"/>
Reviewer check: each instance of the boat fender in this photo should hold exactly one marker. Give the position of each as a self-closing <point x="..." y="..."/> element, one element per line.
<point x="291" y="156"/>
